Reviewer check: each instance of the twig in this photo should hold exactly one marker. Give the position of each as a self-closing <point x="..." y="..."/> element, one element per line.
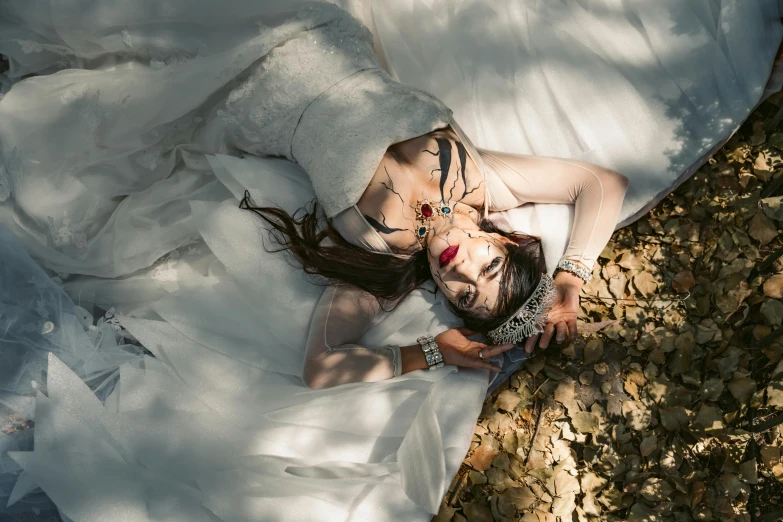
<point x="767" y="424"/>
<point x="535" y="433"/>
<point x="539" y="388"/>
<point x="457" y="488"/>
<point x="766" y="263"/>
<point x="774" y="185"/>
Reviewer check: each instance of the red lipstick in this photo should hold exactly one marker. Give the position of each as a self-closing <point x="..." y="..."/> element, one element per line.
<point x="448" y="255"/>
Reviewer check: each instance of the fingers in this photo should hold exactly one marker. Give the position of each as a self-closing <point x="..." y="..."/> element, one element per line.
<point x="562" y="331"/>
<point x="530" y="343"/>
<point x="549" y="329"/>
<point x="492" y="351"/>
<point x="467" y="332"/>
<point x="572" y="328"/>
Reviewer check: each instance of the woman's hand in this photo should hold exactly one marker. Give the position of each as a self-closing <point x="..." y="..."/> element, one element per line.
<point x="562" y="317"/>
<point x="457" y="349"/>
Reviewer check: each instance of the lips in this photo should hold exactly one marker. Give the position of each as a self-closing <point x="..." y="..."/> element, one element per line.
<point x="448" y="255"/>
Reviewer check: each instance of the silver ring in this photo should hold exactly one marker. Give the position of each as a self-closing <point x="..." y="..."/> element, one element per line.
<point x="481" y="355"/>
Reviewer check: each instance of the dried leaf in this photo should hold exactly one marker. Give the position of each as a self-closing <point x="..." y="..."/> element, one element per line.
<point x="645" y="283"/>
<point x="477" y="512"/>
<point x="630" y="261"/>
<point x="564" y="394"/>
<point x="611" y="499"/>
<point x="762" y="229"/>
<point x="742" y="388"/>
<point x="712" y="389"/>
<point x="594" y="350"/>
<point x="585" y="422"/>
<point x="775" y="395"/>
<point x="564" y="505"/>
<point x="482" y="456"/>
<point x="773" y="287"/>
<point x="683" y="281"/>
<point x="748" y="472"/>
<point x="641" y="513"/>
<point x="730" y="485"/>
<point x="709" y="418"/>
<point x="656" y="490"/>
<point x="523" y="498"/>
<point x="593" y="328"/>
<point x="617" y="285"/>
<point x="637" y="416"/>
<point x="772" y="310"/>
<point x="773" y="208"/>
<point x="675" y="418"/>
<point x="565" y="483"/>
<point x="508" y="400"/>
<point x="648" y="445"/>
<point x="771" y="457"/>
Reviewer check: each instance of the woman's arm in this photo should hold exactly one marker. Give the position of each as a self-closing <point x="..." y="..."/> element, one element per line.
<point x="596" y="192"/>
<point x="334" y="356"/>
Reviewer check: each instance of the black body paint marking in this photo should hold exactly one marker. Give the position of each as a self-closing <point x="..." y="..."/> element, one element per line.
<point x="451" y="190"/>
<point x="444" y="159"/>
<point x="390" y="187"/>
<point x="382" y="227"/>
<point x="437" y="274"/>
<point x="463" y="156"/>
<point x="433" y="171"/>
<point x="485" y="306"/>
<point x="471" y="191"/>
<point x="444" y="148"/>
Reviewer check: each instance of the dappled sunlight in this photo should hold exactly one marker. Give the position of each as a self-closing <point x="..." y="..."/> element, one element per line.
<point x="124" y="173"/>
<point x="670" y="403"/>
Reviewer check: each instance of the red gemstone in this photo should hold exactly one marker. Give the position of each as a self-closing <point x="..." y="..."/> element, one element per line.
<point x="426" y="210"/>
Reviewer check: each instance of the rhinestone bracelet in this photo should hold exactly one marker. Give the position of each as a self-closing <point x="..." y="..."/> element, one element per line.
<point x="431" y="352"/>
<point x="578" y="269"/>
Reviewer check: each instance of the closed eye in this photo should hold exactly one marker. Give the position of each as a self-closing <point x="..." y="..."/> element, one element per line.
<point x="465" y="300"/>
<point x="492" y="266"/>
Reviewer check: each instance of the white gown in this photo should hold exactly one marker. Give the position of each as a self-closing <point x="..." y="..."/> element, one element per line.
<point x="218" y="423"/>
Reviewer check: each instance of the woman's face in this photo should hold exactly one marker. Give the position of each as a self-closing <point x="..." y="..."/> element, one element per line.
<point x="467" y="266"/>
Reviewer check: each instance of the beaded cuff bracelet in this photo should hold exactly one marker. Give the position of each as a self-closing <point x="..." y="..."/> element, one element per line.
<point x="578" y="269"/>
<point x="431" y="352"/>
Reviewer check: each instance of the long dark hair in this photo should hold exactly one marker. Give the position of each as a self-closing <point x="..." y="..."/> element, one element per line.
<point x="321" y="250"/>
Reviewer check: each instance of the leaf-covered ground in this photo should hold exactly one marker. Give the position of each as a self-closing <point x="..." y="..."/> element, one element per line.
<point x="665" y="409"/>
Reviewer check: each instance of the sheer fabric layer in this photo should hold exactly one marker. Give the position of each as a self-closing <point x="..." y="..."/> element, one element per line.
<point x="596" y="193"/>
<point x="334" y="355"/>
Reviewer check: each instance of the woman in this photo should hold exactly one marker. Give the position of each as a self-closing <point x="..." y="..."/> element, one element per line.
<point x="420" y="218"/>
<point x="109" y="179"/>
<point x="339" y="123"/>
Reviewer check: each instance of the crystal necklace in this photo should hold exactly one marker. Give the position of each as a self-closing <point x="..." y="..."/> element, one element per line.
<point x="425" y="211"/>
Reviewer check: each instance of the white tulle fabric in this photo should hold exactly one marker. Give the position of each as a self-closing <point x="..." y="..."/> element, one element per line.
<point x="111" y="186"/>
<point x="644" y="88"/>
